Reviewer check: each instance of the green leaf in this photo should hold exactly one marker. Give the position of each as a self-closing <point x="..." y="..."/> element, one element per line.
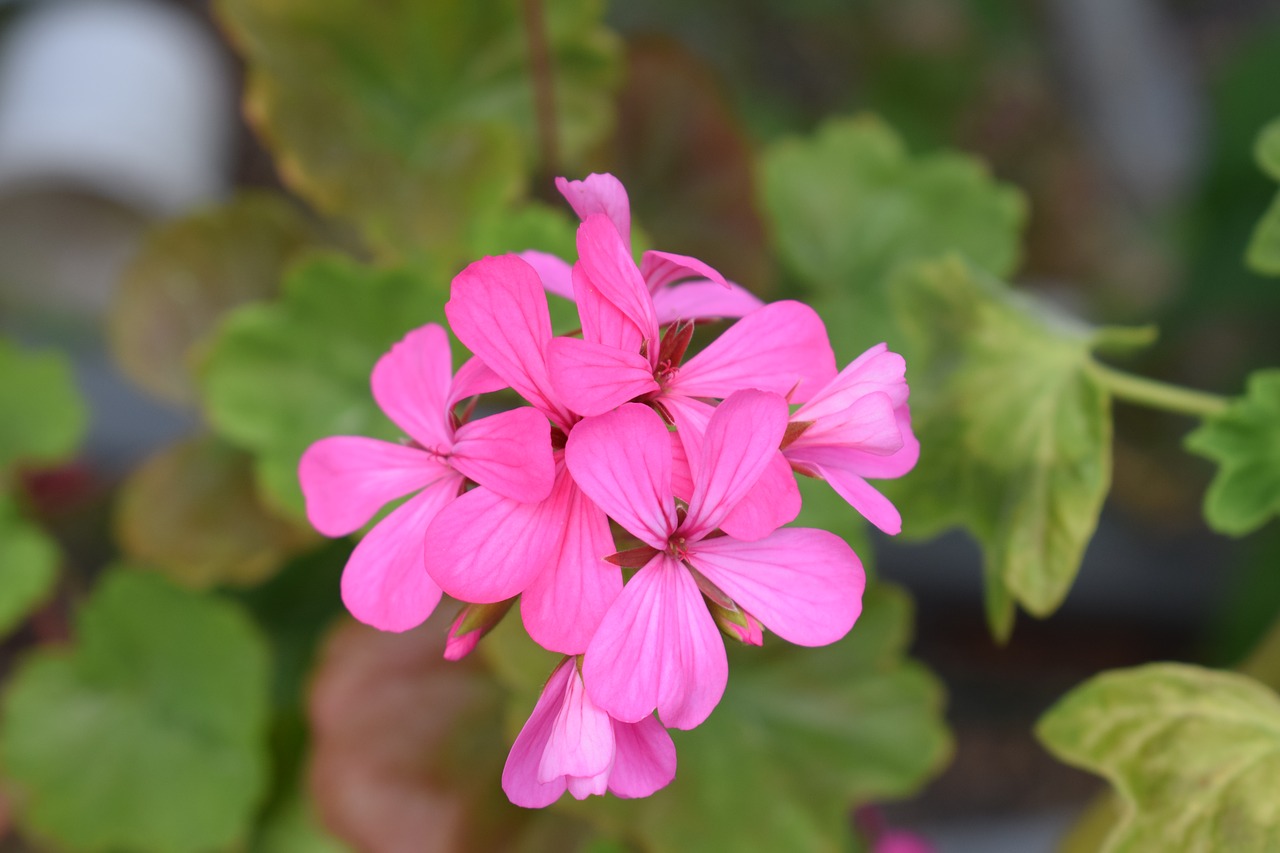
<point x="148" y="734"/>
<point x="282" y="375"/>
<point x="44" y="417"/>
<point x="418" y="118"/>
<point x="848" y="204"/>
<point x="1263" y="253"/>
<point x="192" y="511"/>
<point x="28" y="567"/>
<point x="1266" y="149"/>
<point x="1245" y="442"/>
<point x="1194" y="755"/>
<point x="192" y="271"/>
<point x="1015" y="432"/>
<point x="800" y="736"/>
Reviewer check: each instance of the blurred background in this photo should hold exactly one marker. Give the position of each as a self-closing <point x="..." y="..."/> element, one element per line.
<point x="1128" y="124"/>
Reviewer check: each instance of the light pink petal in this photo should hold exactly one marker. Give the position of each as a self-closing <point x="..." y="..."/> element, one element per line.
<point x="622" y="460"/>
<point x="602" y="321"/>
<point x="867" y="424"/>
<point x="484" y="547"/>
<point x="556" y="273"/>
<point x="411" y="384"/>
<point x="690" y="417"/>
<point x="565" y="603"/>
<point x="781" y="347"/>
<point x="644" y="758"/>
<point x="593" y="378"/>
<point x="772" y="502"/>
<point x="385" y="583"/>
<point x="662" y="269"/>
<point x="657" y="647"/>
<point x="703" y="300"/>
<point x="474" y="377"/>
<point x="681" y="473"/>
<point x="877" y="369"/>
<point x="840" y="468"/>
<point x="740" y="441"/>
<point x="606" y="262"/>
<point x="599" y="193"/>
<point x="581" y="742"/>
<point x="498" y="310"/>
<point x="346" y="479"/>
<point x="508" y="453"/>
<point x="804" y="585"/>
<point x="520" y="774"/>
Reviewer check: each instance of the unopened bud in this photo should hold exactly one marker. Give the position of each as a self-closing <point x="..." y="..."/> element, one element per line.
<point x="473" y="622"/>
<point x="736" y="623"/>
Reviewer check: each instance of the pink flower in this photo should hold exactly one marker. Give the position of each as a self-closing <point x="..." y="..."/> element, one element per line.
<point x="485" y="547"/>
<point x="346" y="479"/>
<point x="708" y="295"/>
<point x="658" y="646"/>
<point x="570" y="743"/>
<point x="858" y="426"/>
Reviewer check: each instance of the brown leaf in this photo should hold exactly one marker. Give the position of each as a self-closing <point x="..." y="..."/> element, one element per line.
<point x="192" y="512"/>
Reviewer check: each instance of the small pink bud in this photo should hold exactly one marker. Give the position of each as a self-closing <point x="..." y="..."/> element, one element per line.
<point x="473" y="622"/>
<point x="737" y="624"/>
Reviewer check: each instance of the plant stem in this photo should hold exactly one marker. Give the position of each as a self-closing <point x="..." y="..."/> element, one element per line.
<point x="1157" y="395"/>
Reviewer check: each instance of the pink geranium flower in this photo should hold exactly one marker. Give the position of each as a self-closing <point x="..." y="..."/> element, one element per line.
<point x="658" y="646"/>
<point x="858" y="426"/>
<point x="569" y="743"/>
<point x="346" y="479"/>
<point x="702" y="292"/>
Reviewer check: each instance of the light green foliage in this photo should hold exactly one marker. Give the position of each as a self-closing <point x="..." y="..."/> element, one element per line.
<point x="800" y="736"/>
<point x="1015" y="432"/>
<point x="414" y="119"/>
<point x="1194" y="755"/>
<point x="147" y="735"/>
<point x="282" y="375"/>
<point x="44" y="417"/>
<point x="192" y="271"/>
<point x="28" y="567"/>
<point x="1245" y="442"/>
<point x="849" y="204"/>
<point x="1263" y="254"/>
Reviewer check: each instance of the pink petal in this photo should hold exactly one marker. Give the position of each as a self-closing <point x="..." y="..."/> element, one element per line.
<point x="509" y="453"/>
<point x="662" y="269"/>
<point x="781" y="347"/>
<point x="581" y="741"/>
<point x="657" y="647"/>
<point x="877" y="369"/>
<point x="606" y="262"/>
<point x="347" y="479"/>
<point x="593" y="378"/>
<point x="867" y="423"/>
<point x="520" y="774"/>
<point x="385" y="583"/>
<point x="681" y="472"/>
<point x="565" y="603"/>
<point x="556" y="273"/>
<point x="622" y="460"/>
<point x="644" y="758"/>
<point x="772" y="502"/>
<point x="691" y="418"/>
<point x="473" y="378"/>
<point x="703" y="300"/>
<point x="602" y="321"/>
<point x="498" y="310"/>
<point x="804" y="585"/>
<point x="484" y="547"/>
<point x="599" y="194"/>
<point x="411" y="384"/>
<point x="741" y="440"/>
<point x="841" y="469"/>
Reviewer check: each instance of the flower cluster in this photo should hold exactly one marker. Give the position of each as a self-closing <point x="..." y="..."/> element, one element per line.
<point x="693" y="459"/>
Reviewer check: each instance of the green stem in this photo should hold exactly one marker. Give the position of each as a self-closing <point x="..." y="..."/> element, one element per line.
<point x="1157" y="395"/>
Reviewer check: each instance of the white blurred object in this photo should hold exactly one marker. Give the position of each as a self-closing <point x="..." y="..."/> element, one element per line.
<point x="129" y="99"/>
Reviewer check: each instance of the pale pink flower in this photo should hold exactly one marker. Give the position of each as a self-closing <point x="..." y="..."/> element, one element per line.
<point x="346" y="479"/>
<point x="658" y="646"/>
<point x="858" y="426"/>
<point x="682" y="288"/>
<point x="569" y="743"/>
<point x="485" y="547"/>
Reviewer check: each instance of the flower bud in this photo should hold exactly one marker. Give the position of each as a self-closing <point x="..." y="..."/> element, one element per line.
<point x="473" y="622"/>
